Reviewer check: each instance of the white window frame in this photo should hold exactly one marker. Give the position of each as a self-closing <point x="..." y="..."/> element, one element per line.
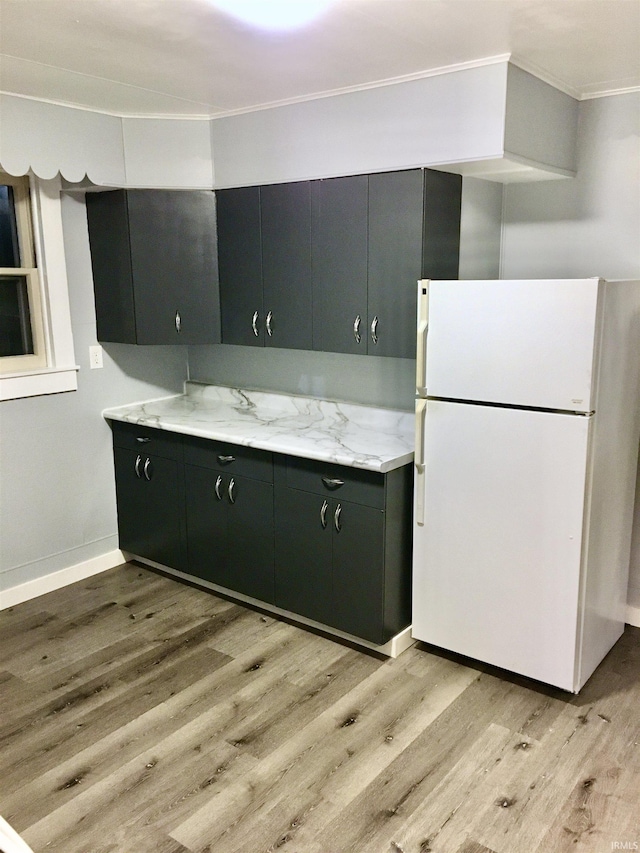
<point x="53" y="369"/>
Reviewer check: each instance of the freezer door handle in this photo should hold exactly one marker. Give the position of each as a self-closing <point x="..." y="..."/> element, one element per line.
<point x="423" y="331"/>
<point x="421" y="412"/>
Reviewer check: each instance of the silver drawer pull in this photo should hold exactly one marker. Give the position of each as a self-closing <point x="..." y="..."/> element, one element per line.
<point x="374" y="329"/>
<point x="142" y="439"/>
<point x="323" y="515"/>
<point x="178" y="322"/>
<point x="230" y="492"/>
<point x="356" y="329"/>
<point x="336" y="518"/>
<point x="332" y="482"/>
<point x="254" y="323"/>
<point x="226" y="460"/>
<point x="137" y="466"/>
<point x="217" y="487"/>
<point x="267" y="323"/>
<point x="148" y="469"/>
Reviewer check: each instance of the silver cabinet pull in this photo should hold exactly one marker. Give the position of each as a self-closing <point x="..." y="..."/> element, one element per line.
<point x="374" y="329"/>
<point x="226" y="460"/>
<point x="232" y="485"/>
<point x="267" y="323"/>
<point x="336" y="518"/>
<point x="178" y="321"/>
<point x="323" y="515"/>
<point x="147" y="469"/>
<point x="332" y="482"/>
<point x="254" y="323"/>
<point x="142" y="440"/>
<point x="137" y="466"/>
<point x="356" y="329"/>
<point x="217" y="487"/>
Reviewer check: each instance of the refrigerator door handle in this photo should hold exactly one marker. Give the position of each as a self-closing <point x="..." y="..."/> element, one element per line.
<point x="423" y="330"/>
<point x="421" y="412"/>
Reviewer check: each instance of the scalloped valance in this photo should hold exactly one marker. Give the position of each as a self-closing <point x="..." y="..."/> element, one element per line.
<point x="111" y="151"/>
<point x="48" y="139"/>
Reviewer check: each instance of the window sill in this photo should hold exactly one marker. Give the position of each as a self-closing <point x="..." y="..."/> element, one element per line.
<point x="33" y="383"/>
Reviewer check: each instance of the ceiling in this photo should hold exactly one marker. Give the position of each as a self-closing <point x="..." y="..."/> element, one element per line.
<point x="186" y="58"/>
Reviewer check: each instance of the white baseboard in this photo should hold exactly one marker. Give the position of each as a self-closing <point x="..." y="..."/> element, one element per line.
<point x="633" y="616"/>
<point x="32" y="589"/>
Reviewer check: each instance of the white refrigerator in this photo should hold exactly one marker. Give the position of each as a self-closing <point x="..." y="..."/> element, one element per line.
<point x="527" y="430"/>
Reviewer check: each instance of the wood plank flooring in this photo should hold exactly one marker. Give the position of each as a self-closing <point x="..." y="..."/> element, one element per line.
<point x="142" y="715"/>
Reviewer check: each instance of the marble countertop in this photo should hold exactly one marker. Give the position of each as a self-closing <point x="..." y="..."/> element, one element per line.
<point x="345" y="433"/>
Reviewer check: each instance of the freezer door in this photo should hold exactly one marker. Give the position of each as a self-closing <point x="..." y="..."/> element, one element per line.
<point x="528" y="343"/>
<point x="497" y="563"/>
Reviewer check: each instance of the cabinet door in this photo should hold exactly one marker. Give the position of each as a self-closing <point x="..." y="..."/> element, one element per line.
<point x="303" y="554"/>
<point x="286" y="264"/>
<point x="395" y="261"/>
<point x="358" y="571"/>
<point x="111" y="265"/>
<point x="207" y="539"/>
<point x="150" y="497"/>
<point x="240" y="264"/>
<point x="174" y="263"/>
<point x="441" y="235"/>
<point x="250" y="550"/>
<point x="339" y="254"/>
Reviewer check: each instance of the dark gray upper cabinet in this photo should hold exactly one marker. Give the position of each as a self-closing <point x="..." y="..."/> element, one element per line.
<point x="240" y="265"/>
<point x="414" y="233"/>
<point x="286" y="264"/>
<point x="155" y="266"/>
<point x="332" y="265"/>
<point x="339" y="211"/>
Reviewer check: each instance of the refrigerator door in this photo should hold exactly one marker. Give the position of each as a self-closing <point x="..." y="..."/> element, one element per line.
<point x="528" y="343"/>
<point x="497" y="562"/>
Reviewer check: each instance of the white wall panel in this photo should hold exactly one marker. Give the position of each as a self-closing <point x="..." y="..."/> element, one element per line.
<point x="440" y="119"/>
<point x="169" y="153"/>
<point x="541" y="122"/>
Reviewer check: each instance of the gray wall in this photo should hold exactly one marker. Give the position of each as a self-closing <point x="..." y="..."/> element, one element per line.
<point x="57" y="498"/>
<point x="386" y="382"/>
<point x="589" y="226"/>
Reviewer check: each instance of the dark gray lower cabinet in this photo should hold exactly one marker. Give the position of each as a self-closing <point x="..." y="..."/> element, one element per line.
<point x="342" y="563"/>
<point x="230" y="531"/>
<point x="150" y="497"/>
<point x="330" y="562"/>
<point x="323" y="541"/>
<point x="304" y="556"/>
<point x="358" y="571"/>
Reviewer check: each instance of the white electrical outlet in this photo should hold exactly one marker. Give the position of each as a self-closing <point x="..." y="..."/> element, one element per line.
<point x="95" y="357"/>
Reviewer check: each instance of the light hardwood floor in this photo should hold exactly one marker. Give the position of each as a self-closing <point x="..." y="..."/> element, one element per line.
<point x="141" y="715"/>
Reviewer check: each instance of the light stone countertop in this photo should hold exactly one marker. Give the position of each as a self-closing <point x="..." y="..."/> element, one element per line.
<point x="344" y="433"/>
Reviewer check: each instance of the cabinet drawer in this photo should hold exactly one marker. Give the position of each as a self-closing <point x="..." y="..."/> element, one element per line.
<point x="144" y="439"/>
<point x="229" y="458"/>
<point x="323" y="478"/>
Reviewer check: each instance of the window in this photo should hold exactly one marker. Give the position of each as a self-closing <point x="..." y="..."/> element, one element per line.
<point x="36" y="346"/>
<point x="22" y="345"/>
